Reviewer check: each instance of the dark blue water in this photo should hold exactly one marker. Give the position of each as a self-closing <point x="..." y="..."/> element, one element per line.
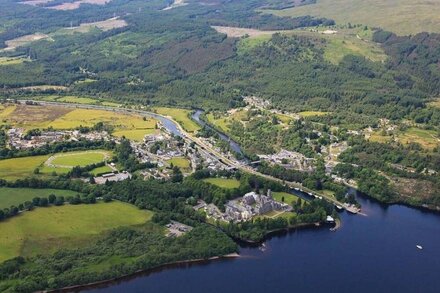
<point x="374" y="253"/>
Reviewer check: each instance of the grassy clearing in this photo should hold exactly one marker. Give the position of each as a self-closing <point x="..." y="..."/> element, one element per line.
<point x="435" y="103"/>
<point x="403" y="17"/>
<point x="82" y="159"/>
<point x="181" y="116"/>
<point x="284" y="118"/>
<point x="25" y="40"/>
<point x="288" y="197"/>
<point x="223" y="182"/>
<point x="312" y="113"/>
<point x="5" y="61"/>
<point x="428" y="139"/>
<point x="46" y="229"/>
<point x="16" y="196"/>
<point x="246" y="44"/>
<point x="12" y="169"/>
<point x="101" y="170"/>
<point x="220" y="122"/>
<point x="340" y="46"/>
<point x="182" y="163"/>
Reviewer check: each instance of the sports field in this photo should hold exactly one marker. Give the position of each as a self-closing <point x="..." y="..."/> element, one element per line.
<point x="82" y="158"/>
<point x="15" y="196"/>
<point x="223" y="182"/>
<point x="47" y="229"/>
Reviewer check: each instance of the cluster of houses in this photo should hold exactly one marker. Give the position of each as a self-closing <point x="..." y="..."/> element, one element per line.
<point x="290" y="160"/>
<point x="18" y="139"/>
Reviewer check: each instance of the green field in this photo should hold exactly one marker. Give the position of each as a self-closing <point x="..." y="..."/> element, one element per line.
<point x="101" y="170"/>
<point x="81" y="159"/>
<point x="182" y="163"/>
<point x="403" y="17"/>
<point x="47" y="229"/>
<point x="312" y="113"/>
<point x="15" y="196"/>
<point x="12" y="169"/>
<point x="181" y="116"/>
<point x="288" y="197"/>
<point x="223" y="182"/>
<point x="428" y="139"/>
<point x="246" y="44"/>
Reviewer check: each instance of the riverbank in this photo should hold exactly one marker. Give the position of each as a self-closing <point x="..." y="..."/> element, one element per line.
<point x="112" y="281"/>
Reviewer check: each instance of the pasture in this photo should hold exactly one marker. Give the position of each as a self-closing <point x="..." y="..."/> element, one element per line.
<point x="405" y="17"/>
<point x="16" y="168"/>
<point x="45" y="230"/>
<point x="16" y="196"/>
<point x="59" y="117"/>
<point x="428" y="139"/>
<point x="181" y="116"/>
<point x="5" y="61"/>
<point x="223" y="182"/>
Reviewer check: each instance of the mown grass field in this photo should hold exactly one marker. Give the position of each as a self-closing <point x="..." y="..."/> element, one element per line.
<point x="81" y="158"/>
<point x="135" y="134"/>
<point x="223" y="182"/>
<point x="101" y="170"/>
<point x="288" y="197"/>
<point x="12" y="169"/>
<point x="402" y="17"/>
<point x="182" y="163"/>
<point x="16" y="196"/>
<point x="181" y="116"/>
<point x="46" y="229"/>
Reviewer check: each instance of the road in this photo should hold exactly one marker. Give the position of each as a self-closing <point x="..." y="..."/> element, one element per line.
<point x="220" y="156"/>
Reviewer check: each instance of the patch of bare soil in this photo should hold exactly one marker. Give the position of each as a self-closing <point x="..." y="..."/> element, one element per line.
<point x="76" y="4"/>
<point x="238" y="32"/>
<point x="20" y="41"/>
<point x="25" y="114"/>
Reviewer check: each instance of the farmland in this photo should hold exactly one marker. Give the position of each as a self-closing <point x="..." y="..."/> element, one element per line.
<point x="46" y="229"/>
<point x="12" y="169"/>
<point x="408" y="17"/>
<point x="31" y="117"/>
<point x="223" y="182"/>
<point x="15" y="196"/>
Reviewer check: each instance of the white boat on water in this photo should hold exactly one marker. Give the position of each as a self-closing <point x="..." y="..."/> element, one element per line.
<point x="419" y="247"/>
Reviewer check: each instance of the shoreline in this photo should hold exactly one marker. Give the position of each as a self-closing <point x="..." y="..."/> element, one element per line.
<point x="107" y="282"/>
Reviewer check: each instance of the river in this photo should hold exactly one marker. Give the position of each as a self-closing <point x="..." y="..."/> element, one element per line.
<point x="373" y="253"/>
